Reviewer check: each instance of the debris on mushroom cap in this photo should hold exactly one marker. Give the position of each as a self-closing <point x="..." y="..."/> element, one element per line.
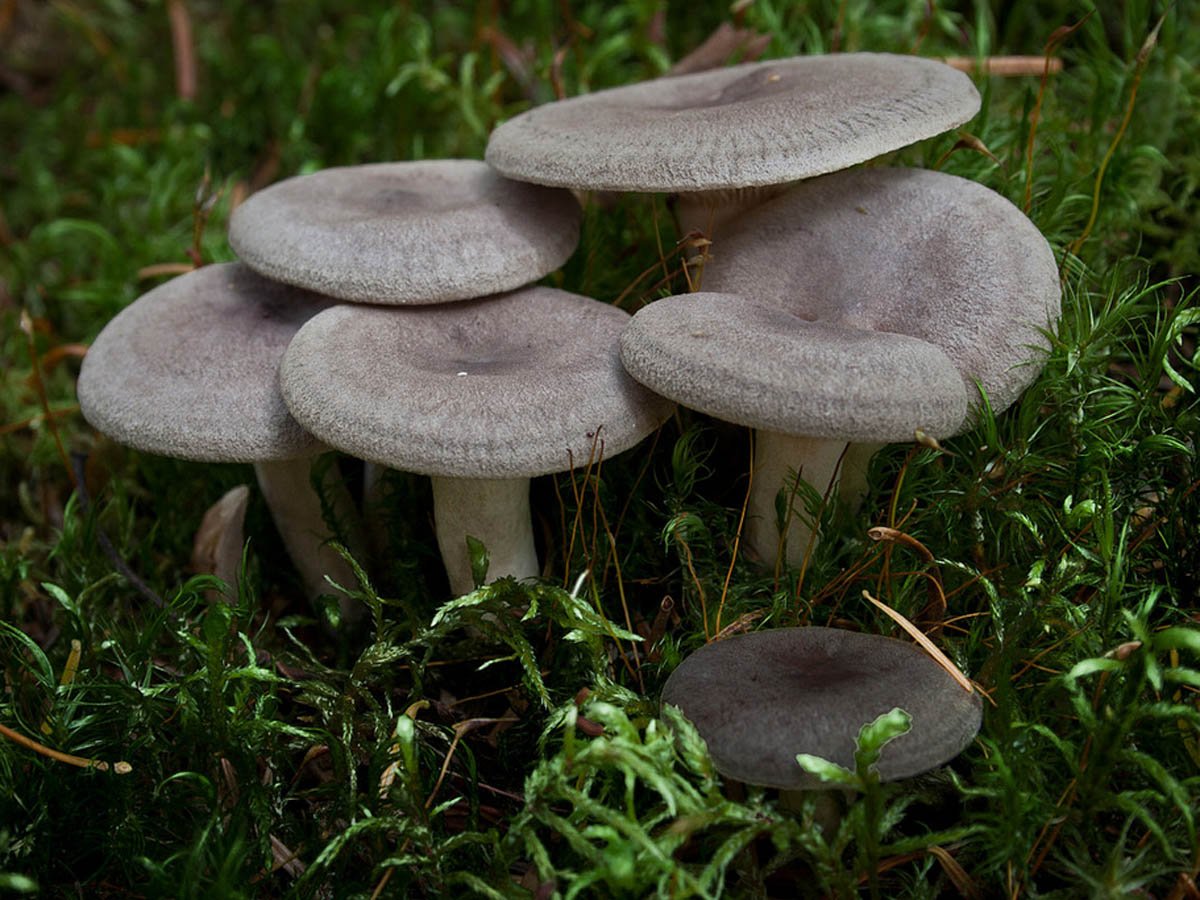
<point x="509" y="386"/>
<point x="406" y="233"/>
<point x="189" y="370"/>
<point x="759" y="699"/>
<point x="907" y="252"/>
<point x="753" y="124"/>
<point x="765" y="367"/>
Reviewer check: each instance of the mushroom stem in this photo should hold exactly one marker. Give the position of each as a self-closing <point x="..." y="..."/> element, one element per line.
<point x="494" y="511"/>
<point x="296" y="508"/>
<point x="706" y="211"/>
<point x="776" y="456"/>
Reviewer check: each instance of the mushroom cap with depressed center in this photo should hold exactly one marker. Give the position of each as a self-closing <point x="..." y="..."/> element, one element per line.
<point x="749" y="125"/>
<point x="505" y="387"/>
<point x="906" y="252"/>
<point x="766" y="367"/>
<point x="189" y="370"/>
<point x="406" y="233"/>
<point x="759" y="699"/>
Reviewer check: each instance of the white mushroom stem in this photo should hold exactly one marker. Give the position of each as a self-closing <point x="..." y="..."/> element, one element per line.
<point x="776" y="456"/>
<point x="296" y="508"/>
<point x="494" y="511"/>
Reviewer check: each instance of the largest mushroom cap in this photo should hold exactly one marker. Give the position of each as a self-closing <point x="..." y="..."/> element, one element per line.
<point x="189" y="369"/>
<point x="759" y="699"/>
<point x="408" y="232"/>
<point x="510" y="386"/>
<point x="904" y="252"/>
<point x="749" y="125"/>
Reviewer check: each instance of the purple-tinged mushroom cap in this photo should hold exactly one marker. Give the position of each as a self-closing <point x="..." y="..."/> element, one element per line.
<point x="750" y="125"/>
<point x="406" y="233"/>
<point x="760" y="699"/>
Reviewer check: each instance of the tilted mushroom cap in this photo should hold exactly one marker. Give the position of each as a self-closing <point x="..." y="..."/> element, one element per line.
<point x="903" y="252"/>
<point x="766" y="367"/>
<point x="189" y="369"/>
<point x="759" y="699"/>
<point x="506" y="387"/>
<point x="410" y="232"/>
<point x="749" y="125"/>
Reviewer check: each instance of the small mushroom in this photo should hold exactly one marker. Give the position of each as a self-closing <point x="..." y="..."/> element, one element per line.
<point x="759" y="699"/>
<point x="480" y="395"/>
<point x="859" y="307"/>
<point x="406" y="233"/>
<point x="719" y="138"/>
<point x="189" y="370"/>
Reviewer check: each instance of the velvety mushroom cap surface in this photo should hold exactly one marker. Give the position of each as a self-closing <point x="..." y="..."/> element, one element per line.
<point x="766" y="367"/>
<point x="910" y="252"/>
<point x="748" y="125"/>
<point x="408" y="232"/>
<point x="189" y="370"/>
<point x="509" y="386"/>
<point x="759" y="699"/>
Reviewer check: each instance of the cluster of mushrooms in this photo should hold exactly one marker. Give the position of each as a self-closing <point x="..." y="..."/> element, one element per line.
<point x="386" y="311"/>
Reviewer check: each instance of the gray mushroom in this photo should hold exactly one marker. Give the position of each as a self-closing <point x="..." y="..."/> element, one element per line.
<point x="759" y="699"/>
<point x="406" y="233"/>
<point x="479" y="395"/>
<point x="189" y="370"/>
<point x="860" y="307"/>
<point x="719" y="137"/>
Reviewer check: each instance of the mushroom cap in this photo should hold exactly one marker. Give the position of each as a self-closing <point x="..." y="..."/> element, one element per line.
<point x="759" y="699"/>
<point x="748" y="125"/>
<point x="903" y="252"/>
<point x="510" y="386"/>
<point x="404" y="233"/>
<point x="766" y="367"/>
<point x="189" y="370"/>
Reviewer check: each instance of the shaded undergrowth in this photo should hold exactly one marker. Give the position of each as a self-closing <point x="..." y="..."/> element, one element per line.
<point x="510" y="743"/>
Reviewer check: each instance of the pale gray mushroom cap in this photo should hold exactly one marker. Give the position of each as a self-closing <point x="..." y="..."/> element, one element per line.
<point x="189" y="370"/>
<point x="759" y="699"/>
<point x="907" y="252"/>
<point x="509" y="386"/>
<point x="764" y="367"/>
<point x="749" y="125"/>
<point x="405" y="233"/>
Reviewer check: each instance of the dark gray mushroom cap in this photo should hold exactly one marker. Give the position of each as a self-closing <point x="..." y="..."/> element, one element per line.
<point x="189" y="370"/>
<point x="749" y="125"/>
<point x="764" y="367"/>
<point x="759" y="699"/>
<point x="409" y="232"/>
<point x="906" y="252"/>
<point x="509" y="386"/>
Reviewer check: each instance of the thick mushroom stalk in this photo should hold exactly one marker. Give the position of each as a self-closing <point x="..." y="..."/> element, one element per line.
<point x="296" y="508"/>
<point x="494" y="511"/>
<point x="777" y="458"/>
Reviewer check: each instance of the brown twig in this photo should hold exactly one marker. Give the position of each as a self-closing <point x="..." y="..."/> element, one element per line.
<point x="1005" y="66"/>
<point x="83" y="762"/>
<point x="184" y="49"/>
